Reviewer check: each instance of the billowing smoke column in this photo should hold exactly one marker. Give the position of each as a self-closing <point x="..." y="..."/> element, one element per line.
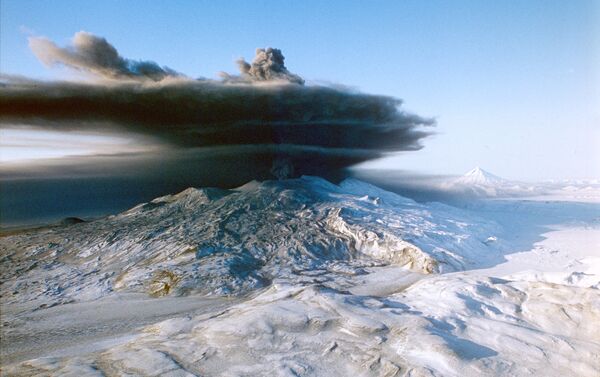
<point x="267" y="66"/>
<point x="264" y="121"/>
<point x="95" y="55"/>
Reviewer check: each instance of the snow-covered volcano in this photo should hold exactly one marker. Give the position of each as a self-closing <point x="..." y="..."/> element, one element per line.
<point x="303" y="277"/>
<point x="478" y="176"/>
<point x="483" y="184"/>
<point x="215" y="241"/>
<point x="480" y="184"/>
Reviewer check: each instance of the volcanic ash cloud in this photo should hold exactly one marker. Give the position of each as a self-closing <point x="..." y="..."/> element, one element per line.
<point x="265" y="114"/>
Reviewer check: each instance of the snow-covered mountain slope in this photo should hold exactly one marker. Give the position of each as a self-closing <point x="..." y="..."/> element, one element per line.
<point x="305" y="278"/>
<point x="216" y="241"/>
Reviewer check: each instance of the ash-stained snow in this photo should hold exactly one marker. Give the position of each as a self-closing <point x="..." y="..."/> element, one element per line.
<point x="306" y="278"/>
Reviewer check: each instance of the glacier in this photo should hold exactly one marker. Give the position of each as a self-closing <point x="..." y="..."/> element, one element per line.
<point x="303" y="277"/>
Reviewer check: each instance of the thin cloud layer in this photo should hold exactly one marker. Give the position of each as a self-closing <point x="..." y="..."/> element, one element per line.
<point x="266" y="112"/>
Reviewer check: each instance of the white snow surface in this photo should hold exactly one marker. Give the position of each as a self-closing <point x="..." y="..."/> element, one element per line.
<point x="306" y="278"/>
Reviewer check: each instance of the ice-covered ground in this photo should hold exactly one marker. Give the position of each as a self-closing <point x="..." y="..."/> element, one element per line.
<point x="303" y="277"/>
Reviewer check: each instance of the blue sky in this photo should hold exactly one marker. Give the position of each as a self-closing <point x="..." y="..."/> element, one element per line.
<point x="515" y="86"/>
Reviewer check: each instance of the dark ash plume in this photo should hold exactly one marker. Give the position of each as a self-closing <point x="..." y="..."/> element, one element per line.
<point x="268" y="65"/>
<point x="264" y="118"/>
<point x="93" y="54"/>
<point x="337" y="128"/>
